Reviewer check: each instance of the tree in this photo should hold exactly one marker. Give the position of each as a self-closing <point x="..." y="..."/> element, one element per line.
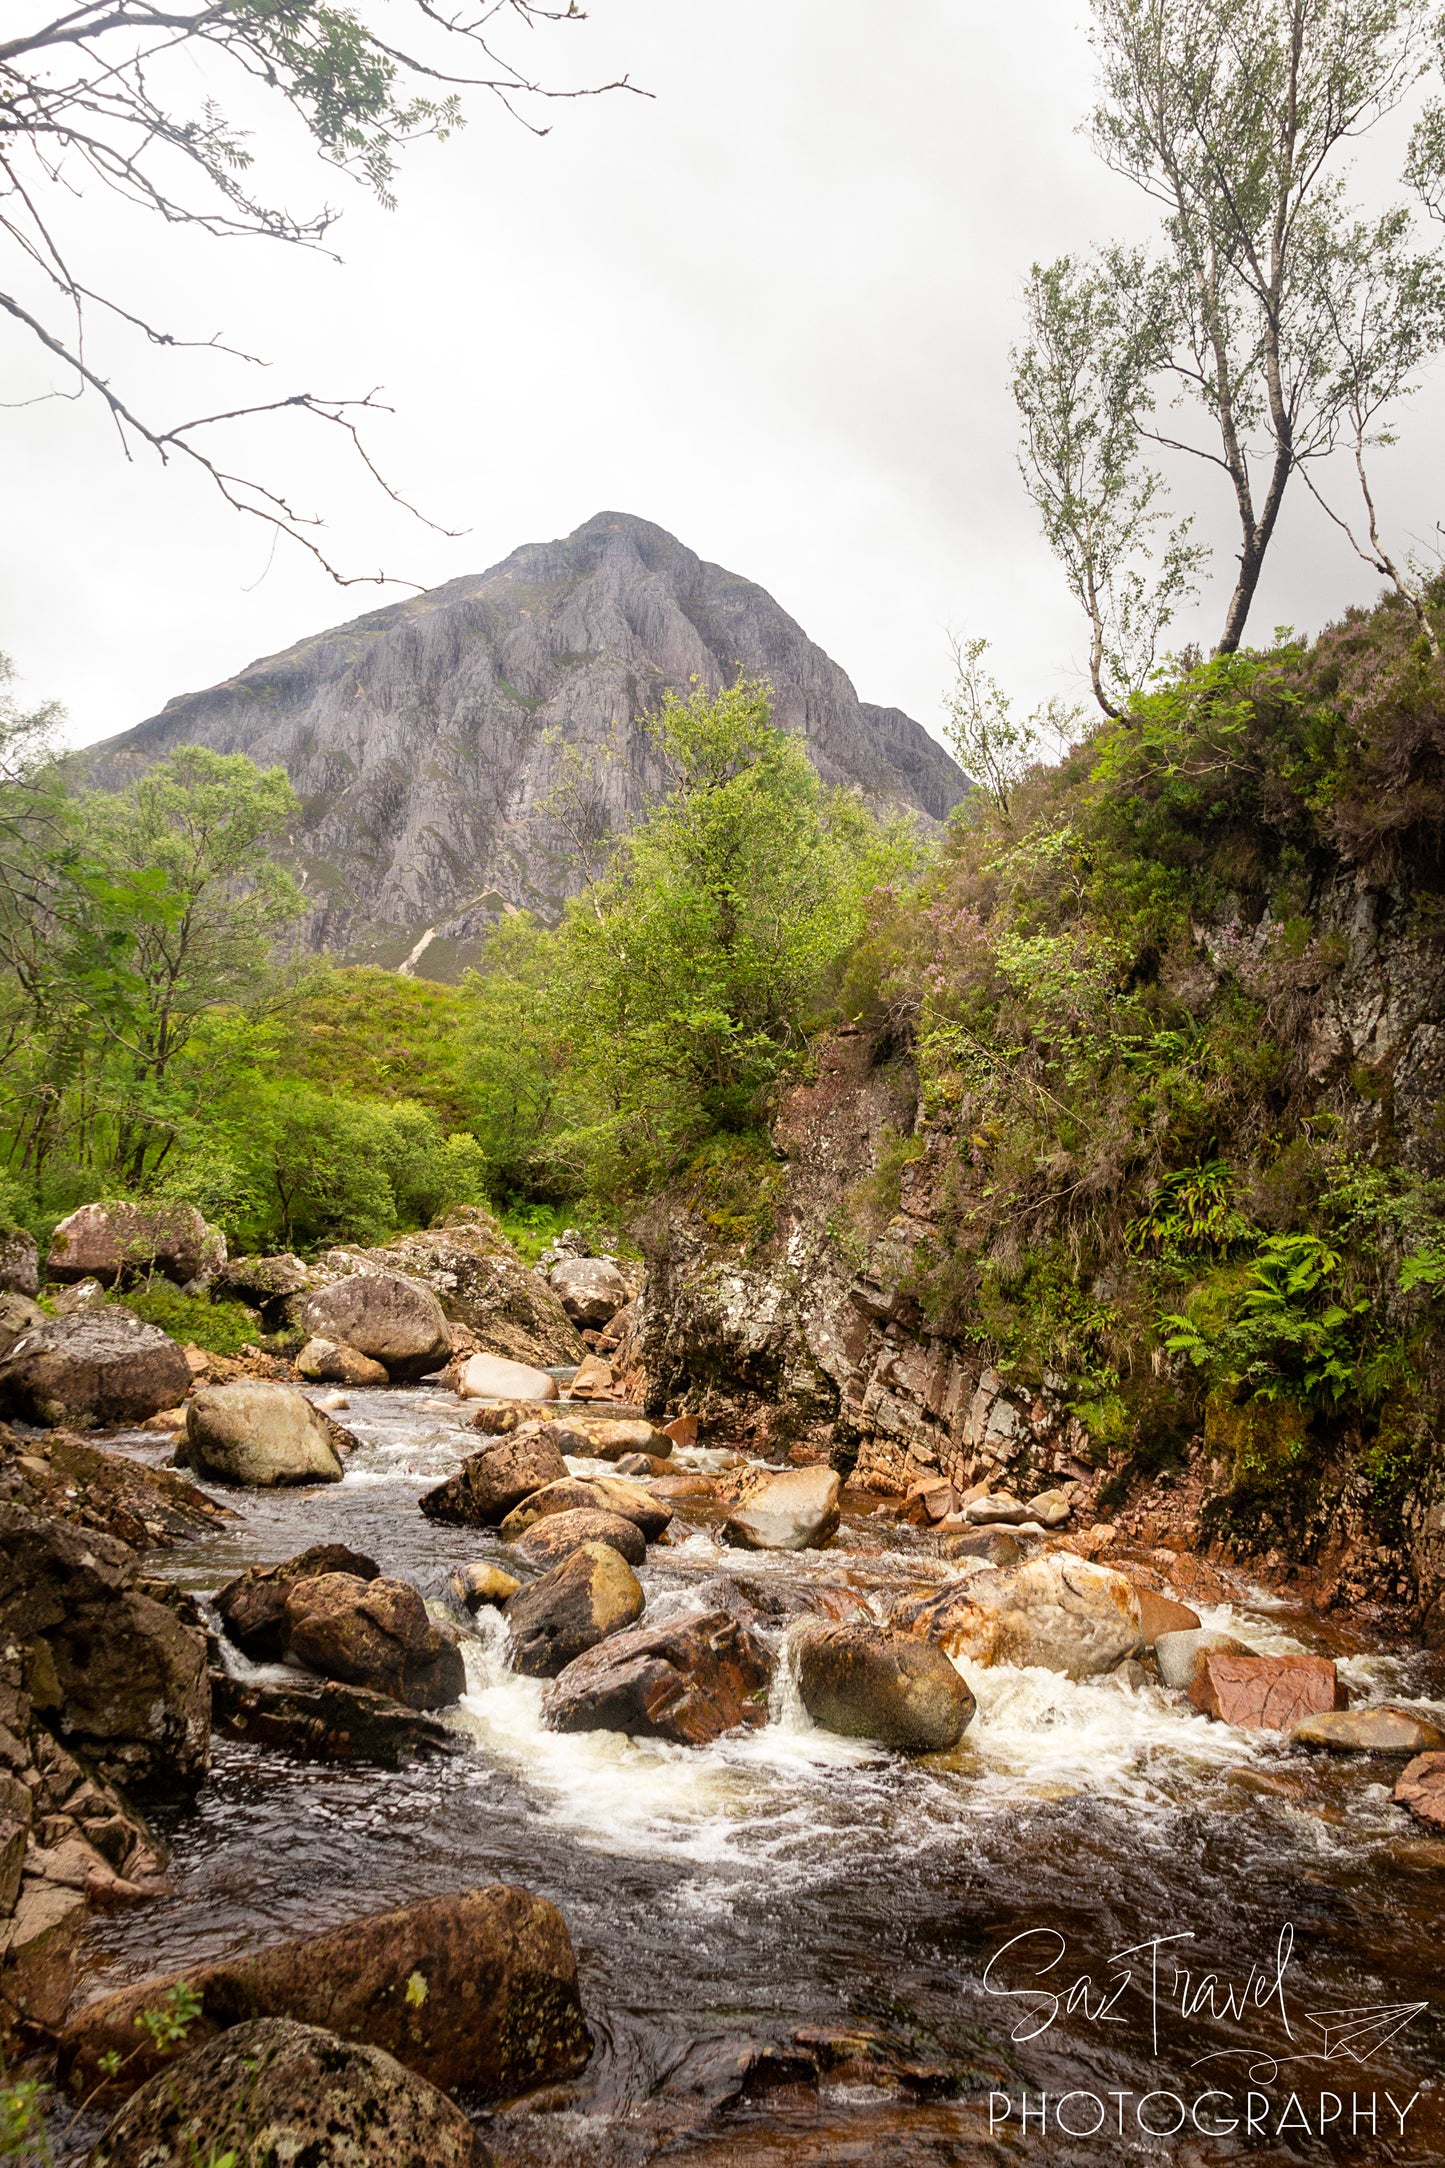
<point x="1084" y="385"/>
<point x="123" y="95"/>
<point x="1232" y="117"/>
<point x="991" y="744"/>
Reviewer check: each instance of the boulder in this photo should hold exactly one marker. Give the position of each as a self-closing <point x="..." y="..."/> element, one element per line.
<point x="480" y="1282"/>
<point x="326" y="1720"/>
<point x="1179" y="1655"/>
<point x="490" y="1483"/>
<point x="867" y="1682"/>
<point x="1421" y="1788"/>
<point x="997" y="1510"/>
<point x="272" y="2091"/>
<point x="1370" y="1731"/>
<point x="493" y="1377"/>
<point x="552" y="1538"/>
<point x="688" y="1682"/>
<point x="768" y="1606"/>
<point x="592" y="1593"/>
<point x="397" y="1322"/>
<point x="373" y="1633"/>
<point x="603" y="1437"/>
<point x="1059" y="1612"/>
<point x="38" y="1949"/>
<point x="71" y="1301"/>
<point x="258" y="1434"/>
<point x="1265" y="1693"/>
<point x="475" y="1989"/>
<point x="794" y="1509"/>
<point x="105" y="1367"/>
<point x="592" y="1380"/>
<point x="1163" y="1615"/>
<point x="993" y="1545"/>
<point x="268" y="1284"/>
<point x="1051" y="1508"/>
<point x="19" y="1262"/>
<point x="18" y="1314"/>
<point x="600" y="1493"/>
<point x="120" y="1243"/>
<point x="252" y="1608"/>
<point x="332" y="1362"/>
<point x="590" y="1289"/>
<point x="482" y="1583"/>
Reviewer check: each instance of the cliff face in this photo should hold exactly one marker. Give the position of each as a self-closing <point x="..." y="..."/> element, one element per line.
<point x="429" y="741"/>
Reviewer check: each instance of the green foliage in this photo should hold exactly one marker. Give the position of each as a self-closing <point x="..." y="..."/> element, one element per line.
<point x="223" y="1328"/>
<point x="1289" y="1336"/>
<point x="1192" y="1210"/>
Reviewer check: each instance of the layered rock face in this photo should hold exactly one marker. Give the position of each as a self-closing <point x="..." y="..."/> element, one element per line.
<point x="428" y="739"/>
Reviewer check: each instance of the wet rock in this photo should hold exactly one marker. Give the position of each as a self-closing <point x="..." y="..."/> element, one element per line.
<point x="1269" y="1783"/>
<point x="1265" y="1693"/>
<point x="590" y="1289"/>
<point x="1421" y="1788"/>
<point x="689" y="1682"/>
<point x="258" y="1434"/>
<point x="1163" y="1615"/>
<point x="18" y="1314"/>
<point x="482" y="1583"/>
<point x="476" y="1989"/>
<point x="866" y="1682"/>
<point x="326" y="1720"/>
<point x="105" y="1367"/>
<point x="593" y="1379"/>
<point x="767" y="1607"/>
<point x="272" y="2091"/>
<point x="1179" y="1655"/>
<point x="795" y="1509"/>
<point x="671" y="1488"/>
<point x="552" y="1539"/>
<point x="120" y="1243"/>
<point x="601" y="1437"/>
<point x="490" y="1483"/>
<point x="332" y="1362"/>
<point x="373" y="1633"/>
<point x="1370" y="1731"/>
<point x="252" y="1608"/>
<point x="397" y="1322"/>
<point x="602" y="1493"/>
<point x="1060" y="1612"/>
<point x="993" y="1545"/>
<point x="997" y="1509"/>
<point x="38" y="1946"/>
<point x="19" y="1262"/>
<point x="591" y="1594"/>
<point x="493" y="1377"/>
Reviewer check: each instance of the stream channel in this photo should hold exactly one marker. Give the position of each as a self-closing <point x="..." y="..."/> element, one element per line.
<point x="786" y="1882"/>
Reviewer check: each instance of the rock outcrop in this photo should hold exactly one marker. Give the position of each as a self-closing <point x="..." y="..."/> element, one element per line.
<point x="426" y="738"/>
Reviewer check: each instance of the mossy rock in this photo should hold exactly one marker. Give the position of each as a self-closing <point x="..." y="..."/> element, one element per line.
<point x="1263" y="1441"/>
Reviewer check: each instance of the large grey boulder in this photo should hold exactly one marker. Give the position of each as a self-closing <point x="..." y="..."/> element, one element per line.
<point x="795" y="1509"/>
<point x="1060" y="1612"/>
<point x="1179" y="1655"/>
<point x="19" y="1262"/>
<point x="258" y="1434"/>
<point x="397" y="1322"/>
<point x="868" y="1683"/>
<point x="103" y="1367"/>
<point x="274" y="2091"/>
<point x="121" y="1243"/>
<point x="268" y="1284"/>
<point x="18" y="1314"/>
<point x="591" y="1594"/>
<point x="591" y="1289"/>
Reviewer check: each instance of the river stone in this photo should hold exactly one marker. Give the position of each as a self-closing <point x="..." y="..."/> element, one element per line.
<point x="592" y="1593"/>
<point x="602" y="1437"/>
<point x="1059" y="1612"/>
<point x="867" y="1682"/>
<point x="273" y="2091"/>
<point x="552" y="1538"/>
<point x="38" y="1947"/>
<point x="1163" y="1615"/>
<point x="997" y="1509"/>
<point x="1265" y="1693"/>
<point x="258" y="1434"/>
<point x="766" y="1606"/>
<point x="105" y="1367"/>
<point x="1179" y="1655"/>
<point x="603" y="1493"/>
<point x="591" y="1289"/>
<point x="475" y="1989"/>
<point x="1051" y="1508"/>
<point x="689" y="1682"/>
<point x="373" y="1633"/>
<point x="18" y="1314"/>
<point x="252" y="1608"/>
<point x="19" y="1262"/>
<point x="397" y="1322"/>
<point x="490" y="1483"/>
<point x="326" y="1720"/>
<point x="493" y="1377"/>
<point x="332" y="1362"/>
<point x="995" y="1546"/>
<point x="1421" y="1788"/>
<point x="120" y="1243"/>
<point x="483" y="1583"/>
<point x="1370" y="1731"/>
<point x="794" y="1509"/>
<point x="267" y="1284"/>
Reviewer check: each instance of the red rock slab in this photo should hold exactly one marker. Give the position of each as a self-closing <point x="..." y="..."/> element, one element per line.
<point x="1265" y="1693"/>
<point x="1422" y="1789"/>
<point x="1160" y="1614"/>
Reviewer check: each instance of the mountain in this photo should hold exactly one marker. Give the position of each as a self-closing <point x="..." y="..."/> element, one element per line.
<point x="451" y="751"/>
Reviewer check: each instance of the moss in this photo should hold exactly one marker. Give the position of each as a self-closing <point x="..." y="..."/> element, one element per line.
<point x="1263" y="1442"/>
<point x="222" y="1328"/>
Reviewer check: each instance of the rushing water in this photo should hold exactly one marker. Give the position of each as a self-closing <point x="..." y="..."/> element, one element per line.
<point x="785" y="1881"/>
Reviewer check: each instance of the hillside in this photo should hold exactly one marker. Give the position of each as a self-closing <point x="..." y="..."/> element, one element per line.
<point x="428" y="741"/>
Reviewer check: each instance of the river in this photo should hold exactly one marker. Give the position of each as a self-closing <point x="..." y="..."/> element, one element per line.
<point x="787" y="1883"/>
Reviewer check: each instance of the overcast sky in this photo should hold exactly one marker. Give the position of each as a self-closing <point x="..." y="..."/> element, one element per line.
<point x="769" y="308"/>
